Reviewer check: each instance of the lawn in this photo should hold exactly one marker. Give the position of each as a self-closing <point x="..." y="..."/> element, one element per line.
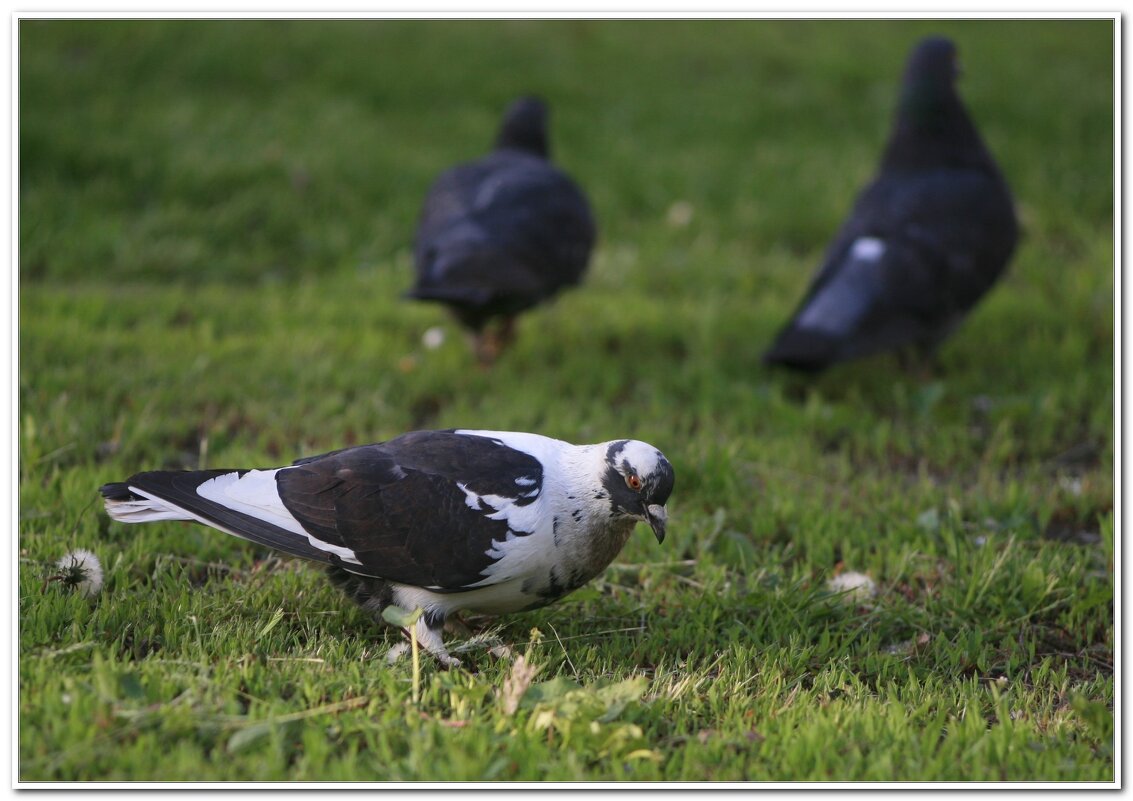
<point x="215" y="226"/>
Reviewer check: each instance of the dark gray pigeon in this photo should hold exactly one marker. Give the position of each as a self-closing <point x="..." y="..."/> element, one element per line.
<point x="487" y="521"/>
<point x="503" y="233"/>
<point x="925" y="240"/>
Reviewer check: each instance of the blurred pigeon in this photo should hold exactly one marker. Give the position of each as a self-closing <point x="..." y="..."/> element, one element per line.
<point x="488" y="521"/>
<point x="503" y="233"/>
<point x="924" y="241"/>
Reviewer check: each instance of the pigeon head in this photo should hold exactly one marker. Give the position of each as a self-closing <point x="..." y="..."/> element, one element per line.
<point x="928" y="93"/>
<point x="932" y="65"/>
<point x="932" y="128"/>
<point x="638" y="481"/>
<point x="525" y="127"/>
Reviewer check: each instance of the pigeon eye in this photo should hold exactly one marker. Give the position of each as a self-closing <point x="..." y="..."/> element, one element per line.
<point x="633" y="481"/>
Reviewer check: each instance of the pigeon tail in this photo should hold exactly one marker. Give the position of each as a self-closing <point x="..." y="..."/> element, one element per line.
<point x="188" y="495"/>
<point x="449" y="294"/>
<point x="127" y="507"/>
<point x="804" y="350"/>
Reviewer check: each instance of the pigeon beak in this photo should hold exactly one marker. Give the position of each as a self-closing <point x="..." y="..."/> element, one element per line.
<point x="657" y="517"/>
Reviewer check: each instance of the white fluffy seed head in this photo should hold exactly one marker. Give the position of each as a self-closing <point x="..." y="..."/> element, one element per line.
<point x="81" y="570"/>
<point x="855" y="587"/>
<point x="433" y="338"/>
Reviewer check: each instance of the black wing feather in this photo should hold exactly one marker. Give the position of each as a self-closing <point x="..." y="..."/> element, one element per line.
<point x="398" y="507"/>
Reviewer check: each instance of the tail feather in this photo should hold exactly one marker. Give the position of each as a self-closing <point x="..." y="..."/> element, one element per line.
<point x="172" y="495"/>
<point x="803" y="350"/>
<point x="449" y="294"/>
<point x="147" y="510"/>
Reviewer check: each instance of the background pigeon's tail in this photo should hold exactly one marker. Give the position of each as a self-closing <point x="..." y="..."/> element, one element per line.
<point x="460" y="270"/>
<point x="178" y="495"/>
<point x="802" y="349"/>
<point x="448" y="294"/>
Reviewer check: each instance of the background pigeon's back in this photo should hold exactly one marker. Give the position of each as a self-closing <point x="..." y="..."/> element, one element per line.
<point x="505" y="232"/>
<point x="924" y="242"/>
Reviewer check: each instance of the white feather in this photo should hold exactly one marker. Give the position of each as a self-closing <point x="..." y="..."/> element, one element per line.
<point x="572" y="482"/>
<point x="521" y="519"/>
<point x="162" y="510"/>
<point x="257" y="495"/>
<point x="493" y="599"/>
<point x="146" y="510"/>
<point x="837" y="308"/>
<point x="868" y="248"/>
<point x="545" y="449"/>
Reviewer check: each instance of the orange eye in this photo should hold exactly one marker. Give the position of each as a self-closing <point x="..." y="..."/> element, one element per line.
<point x="633" y="481"/>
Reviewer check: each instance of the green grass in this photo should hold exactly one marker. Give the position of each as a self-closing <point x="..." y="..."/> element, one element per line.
<point x="215" y="226"/>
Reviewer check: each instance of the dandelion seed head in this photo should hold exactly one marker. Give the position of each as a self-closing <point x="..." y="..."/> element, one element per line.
<point x="81" y="570"/>
<point x="856" y="586"/>
<point x="680" y="214"/>
<point x="433" y="338"/>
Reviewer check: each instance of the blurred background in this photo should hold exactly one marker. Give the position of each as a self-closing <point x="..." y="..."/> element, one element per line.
<point x="266" y="150"/>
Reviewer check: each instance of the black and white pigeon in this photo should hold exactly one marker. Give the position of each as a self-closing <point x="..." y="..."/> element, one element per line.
<point x="504" y="233"/>
<point x="925" y="240"/>
<point x="485" y="521"/>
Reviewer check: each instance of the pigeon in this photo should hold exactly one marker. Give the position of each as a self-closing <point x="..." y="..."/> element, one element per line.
<point x="925" y="240"/>
<point x="490" y="522"/>
<point x="502" y="234"/>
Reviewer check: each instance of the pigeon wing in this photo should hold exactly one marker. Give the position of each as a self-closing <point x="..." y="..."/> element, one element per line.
<point x="915" y="255"/>
<point x="422" y="509"/>
<point x="509" y="227"/>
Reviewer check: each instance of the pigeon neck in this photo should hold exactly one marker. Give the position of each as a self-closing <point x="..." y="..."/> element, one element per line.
<point x="525" y="137"/>
<point x="586" y="508"/>
<point x="933" y="130"/>
<point x="584" y="465"/>
<point x="584" y="468"/>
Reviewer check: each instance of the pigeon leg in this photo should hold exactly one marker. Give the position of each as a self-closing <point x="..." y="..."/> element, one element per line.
<point x="374" y="595"/>
<point x="484" y="346"/>
<point x="920" y="361"/>
<point x="491" y="341"/>
<point x="430" y="639"/>
<point x="507" y="332"/>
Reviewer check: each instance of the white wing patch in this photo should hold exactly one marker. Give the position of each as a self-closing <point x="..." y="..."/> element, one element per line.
<point x="520" y="557"/>
<point x="530" y="550"/>
<point x="256" y="495"/>
<point x="868" y="248"/>
<point x="848" y="295"/>
<point x="522" y="519"/>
